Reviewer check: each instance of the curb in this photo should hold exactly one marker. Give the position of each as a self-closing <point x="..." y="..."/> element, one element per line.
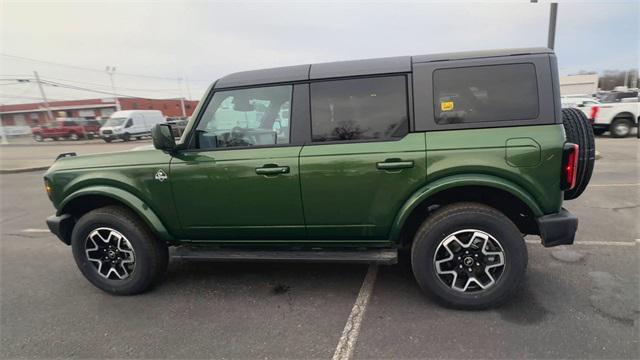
<point x="22" y="170"/>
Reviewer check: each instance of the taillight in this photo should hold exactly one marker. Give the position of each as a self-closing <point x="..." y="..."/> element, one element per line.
<point x="569" y="166"/>
<point x="594" y="112"/>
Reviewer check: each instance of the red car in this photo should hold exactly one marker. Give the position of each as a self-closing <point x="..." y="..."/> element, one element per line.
<point x="72" y="129"/>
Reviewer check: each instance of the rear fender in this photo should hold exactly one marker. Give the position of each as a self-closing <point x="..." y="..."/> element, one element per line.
<point x="449" y="182"/>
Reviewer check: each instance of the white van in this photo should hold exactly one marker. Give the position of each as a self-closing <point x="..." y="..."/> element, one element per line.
<point x="129" y="124"/>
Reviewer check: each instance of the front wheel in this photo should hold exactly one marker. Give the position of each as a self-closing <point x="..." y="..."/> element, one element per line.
<point x="37" y="137"/>
<point x="116" y="252"/>
<point x="73" y="136"/>
<point x="126" y="137"/>
<point x="469" y="256"/>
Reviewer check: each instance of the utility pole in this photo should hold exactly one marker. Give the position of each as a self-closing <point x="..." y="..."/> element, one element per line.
<point x="184" y="112"/>
<point x="110" y="70"/>
<point x="44" y="97"/>
<point x="553" y="14"/>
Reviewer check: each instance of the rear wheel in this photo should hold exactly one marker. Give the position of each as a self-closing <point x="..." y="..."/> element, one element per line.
<point x="579" y="131"/>
<point x="37" y="137"/>
<point x="116" y="252"/>
<point x="73" y="136"/>
<point x="620" y="127"/>
<point x="469" y="255"/>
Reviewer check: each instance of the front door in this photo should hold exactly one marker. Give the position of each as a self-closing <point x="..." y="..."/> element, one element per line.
<point x="362" y="164"/>
<point x="240" y="181"/>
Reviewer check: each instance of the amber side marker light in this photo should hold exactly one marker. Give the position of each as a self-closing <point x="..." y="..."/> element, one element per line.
<point x="48" y="188"/>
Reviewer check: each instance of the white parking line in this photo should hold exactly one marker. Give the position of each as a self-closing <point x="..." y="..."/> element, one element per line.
<point x="596" y="243"/>
<point x="35" y="230"/>
<point x="607" y="185"/>
<point x="347" y="342"/>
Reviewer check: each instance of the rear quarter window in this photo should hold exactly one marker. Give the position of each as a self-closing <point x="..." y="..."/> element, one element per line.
<point x="485" y="94"/>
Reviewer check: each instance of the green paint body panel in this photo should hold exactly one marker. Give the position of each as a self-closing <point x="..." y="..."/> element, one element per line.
<point x="332" y="195"/>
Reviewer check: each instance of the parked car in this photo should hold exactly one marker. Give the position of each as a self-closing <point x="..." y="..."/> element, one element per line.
<point x="128" y="124"/>
<point x="91" y="128"/>
<point x="618" y="96"/>
<point x="450" y="158"/>
<point x="617" y="118"/>
<point x="60" y="129"/>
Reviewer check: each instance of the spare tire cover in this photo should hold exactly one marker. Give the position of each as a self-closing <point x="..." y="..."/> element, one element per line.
<point x="578" y="131"/>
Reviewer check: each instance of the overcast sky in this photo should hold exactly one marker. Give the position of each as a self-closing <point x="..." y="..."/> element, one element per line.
<point x="200" y="41"/>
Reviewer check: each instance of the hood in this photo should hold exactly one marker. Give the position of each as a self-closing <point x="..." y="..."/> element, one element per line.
<point x="137" y="156"/>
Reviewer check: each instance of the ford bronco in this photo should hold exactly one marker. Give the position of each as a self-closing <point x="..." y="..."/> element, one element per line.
<point x="448" y="158"/>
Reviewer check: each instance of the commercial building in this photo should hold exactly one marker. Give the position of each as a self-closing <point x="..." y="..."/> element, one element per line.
<point x="36" y="113"/>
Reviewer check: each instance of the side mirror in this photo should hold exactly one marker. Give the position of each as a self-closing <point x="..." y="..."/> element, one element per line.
<point x="163" y="137"/>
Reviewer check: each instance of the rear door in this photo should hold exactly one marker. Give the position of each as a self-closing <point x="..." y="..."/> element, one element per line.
<point x="240" y="179"/>
<point x="362" y="163"/>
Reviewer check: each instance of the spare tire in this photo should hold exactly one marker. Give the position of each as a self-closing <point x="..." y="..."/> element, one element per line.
<point x="579" y="131"/>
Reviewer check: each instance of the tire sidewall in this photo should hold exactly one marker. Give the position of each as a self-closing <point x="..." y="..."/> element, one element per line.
<point x="504" y="232"/>
<point x="142" y="252"/>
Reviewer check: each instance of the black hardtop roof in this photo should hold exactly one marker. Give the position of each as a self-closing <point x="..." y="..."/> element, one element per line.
<point x="337" y="69"/>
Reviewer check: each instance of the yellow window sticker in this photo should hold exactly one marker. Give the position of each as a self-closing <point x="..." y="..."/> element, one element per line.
<point x="446" y="105"/>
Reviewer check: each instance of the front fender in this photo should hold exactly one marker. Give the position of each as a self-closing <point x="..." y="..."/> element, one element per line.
<point x="458" y="181"/>
<point x="128" y="199"/>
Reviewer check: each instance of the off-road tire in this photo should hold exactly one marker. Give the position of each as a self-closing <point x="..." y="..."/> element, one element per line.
<point x="151" y="255"/>
<point x="461" y="216"/>
<point x="626" y="123"/>
<point x="579" y="131"/>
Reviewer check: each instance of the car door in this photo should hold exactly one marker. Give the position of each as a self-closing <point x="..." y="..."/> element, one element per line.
<point x="362" y="163"/>
<point x="239" y="180"/>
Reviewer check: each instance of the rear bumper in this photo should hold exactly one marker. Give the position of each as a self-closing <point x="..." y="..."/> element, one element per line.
<point x="61" y="226"/>
<point x="558" y="229"/>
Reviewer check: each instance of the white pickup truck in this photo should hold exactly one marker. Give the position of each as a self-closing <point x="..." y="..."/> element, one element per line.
<point x="618" y="117"/>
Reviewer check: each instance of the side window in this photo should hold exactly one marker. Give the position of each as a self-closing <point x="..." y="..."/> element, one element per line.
<point x="359" y="109"/>
<point x="129" y="123"/>
<point x="70" y="123"/>
<point x="246" y="117"/>
<point x="485" y="93"/>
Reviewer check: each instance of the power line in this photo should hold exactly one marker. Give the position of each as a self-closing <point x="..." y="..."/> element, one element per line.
<point x="23" y="58"/>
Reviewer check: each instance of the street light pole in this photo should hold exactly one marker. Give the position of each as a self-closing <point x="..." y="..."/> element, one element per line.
<point x="110" y="70"/>
<point x="184" y="112"/>
<point x="553" y="14"/>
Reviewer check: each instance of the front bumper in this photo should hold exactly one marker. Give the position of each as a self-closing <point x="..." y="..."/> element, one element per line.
<point x="558" y="229"/>
<point x="61" y="226"/>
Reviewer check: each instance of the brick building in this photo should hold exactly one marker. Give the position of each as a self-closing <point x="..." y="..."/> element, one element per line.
<point x="35" y="113"/>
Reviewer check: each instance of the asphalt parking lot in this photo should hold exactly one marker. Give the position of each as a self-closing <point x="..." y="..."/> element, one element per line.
<point x="581" y="301"/>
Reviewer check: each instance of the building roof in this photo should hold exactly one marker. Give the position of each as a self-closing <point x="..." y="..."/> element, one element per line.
<point x="387" y="65"/>
<point x="56" y="105"/>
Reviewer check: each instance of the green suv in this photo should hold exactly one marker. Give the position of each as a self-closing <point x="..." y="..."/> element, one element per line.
<point x="451" y="158"/>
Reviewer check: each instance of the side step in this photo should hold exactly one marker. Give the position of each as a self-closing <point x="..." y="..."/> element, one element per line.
<point x="369" y="256"/>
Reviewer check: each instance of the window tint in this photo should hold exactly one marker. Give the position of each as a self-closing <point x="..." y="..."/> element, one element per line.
<point x="485" y="93"/>
<point x="70" y="123"/>
<point x="247" y="117"/>
<point x="359" y="109"/>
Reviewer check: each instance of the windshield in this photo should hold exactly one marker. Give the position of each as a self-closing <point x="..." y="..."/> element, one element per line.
<point x="115" y="121"/>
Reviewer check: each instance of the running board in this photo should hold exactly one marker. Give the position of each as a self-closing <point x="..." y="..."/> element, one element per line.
<point x="369" y="256"/>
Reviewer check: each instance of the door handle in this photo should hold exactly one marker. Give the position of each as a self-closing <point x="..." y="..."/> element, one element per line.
<point x="272" y="169"/>
<point x="394" y="165"/>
